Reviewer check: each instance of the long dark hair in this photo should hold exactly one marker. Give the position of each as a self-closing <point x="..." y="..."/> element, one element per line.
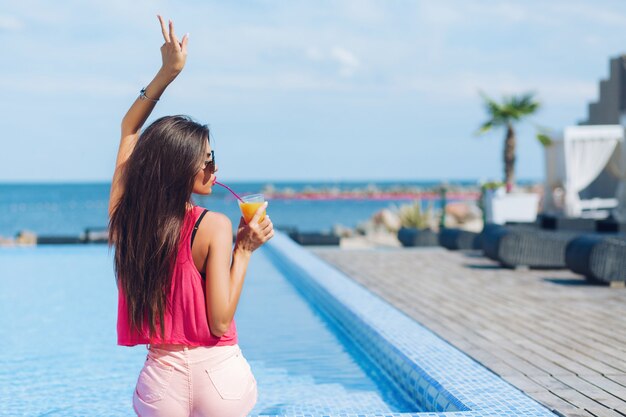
<point x="146" y="223"/>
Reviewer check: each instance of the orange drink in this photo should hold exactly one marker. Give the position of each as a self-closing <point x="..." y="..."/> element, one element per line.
<point x="250" y="205"/>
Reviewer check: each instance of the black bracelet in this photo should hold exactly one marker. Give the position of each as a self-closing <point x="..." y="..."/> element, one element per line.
<point x="143" y="96"/>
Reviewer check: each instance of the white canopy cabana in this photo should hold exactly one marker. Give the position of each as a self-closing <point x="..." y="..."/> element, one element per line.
<point x="586" y="170"/>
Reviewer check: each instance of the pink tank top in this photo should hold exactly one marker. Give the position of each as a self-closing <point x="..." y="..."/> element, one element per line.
<point x="186" y="322"/>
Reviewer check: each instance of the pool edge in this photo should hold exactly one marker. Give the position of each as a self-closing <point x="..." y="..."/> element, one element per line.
<point x="426" y="365"/>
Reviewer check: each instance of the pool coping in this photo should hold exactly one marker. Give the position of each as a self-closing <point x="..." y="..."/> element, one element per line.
<point x="434" y="374"/>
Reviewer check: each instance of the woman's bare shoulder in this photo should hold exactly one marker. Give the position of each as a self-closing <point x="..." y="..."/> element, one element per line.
<point x="214" y="224"/>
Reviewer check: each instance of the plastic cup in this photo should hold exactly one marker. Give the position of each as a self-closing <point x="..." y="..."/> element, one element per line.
<point x="250" y="205"/>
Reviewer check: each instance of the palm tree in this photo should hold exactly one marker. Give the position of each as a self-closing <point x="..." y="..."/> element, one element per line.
<point x="506" y="114"/>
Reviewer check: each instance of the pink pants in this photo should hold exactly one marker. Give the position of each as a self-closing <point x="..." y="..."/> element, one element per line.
<point x="205" y="381"/>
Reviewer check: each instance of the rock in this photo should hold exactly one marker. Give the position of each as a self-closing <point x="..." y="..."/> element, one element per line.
<point x="457" y="210"/>
<point x="462" y="212"/>
<point x="6" y="241"/>
<point x="342" y="231"/>
<point x="25" y="237"/>
<point x="451" y="222"/>
<point x="387" y="219"/>
<point x="366" y="227"/>
<point x="474" y="225"/>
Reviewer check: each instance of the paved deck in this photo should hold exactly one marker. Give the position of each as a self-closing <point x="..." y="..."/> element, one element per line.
<point x="548" y="332"/>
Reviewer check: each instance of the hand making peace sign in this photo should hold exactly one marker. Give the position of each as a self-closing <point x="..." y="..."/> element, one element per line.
<point x="173" y="51"/>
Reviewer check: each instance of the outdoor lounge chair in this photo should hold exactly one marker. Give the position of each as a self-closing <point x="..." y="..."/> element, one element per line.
<point x="417" y="237"/>
<point x="96" y="235"/>
<point x="315" y="238"/>
<point x="599" y="258"/>
<point x="59" y="239"/>
<point x="610" y="226"/>
<point x="517" y="246"/>
<point x="550" y="222"/>
<point x="455" y="239"/>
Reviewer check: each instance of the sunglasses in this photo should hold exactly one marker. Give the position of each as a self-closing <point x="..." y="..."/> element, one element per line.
<point x="210" y="164"/>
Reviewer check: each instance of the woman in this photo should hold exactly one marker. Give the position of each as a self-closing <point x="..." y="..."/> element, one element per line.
<point x="179" y="278"/>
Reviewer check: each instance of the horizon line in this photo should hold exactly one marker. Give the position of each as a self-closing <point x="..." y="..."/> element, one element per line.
<point x="312" y="181"/>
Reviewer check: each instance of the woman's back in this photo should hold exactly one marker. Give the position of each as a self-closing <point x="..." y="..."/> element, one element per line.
<point x="185" y="318"/>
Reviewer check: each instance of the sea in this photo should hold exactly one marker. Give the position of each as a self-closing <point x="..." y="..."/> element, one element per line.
<point x="69" y="208"/>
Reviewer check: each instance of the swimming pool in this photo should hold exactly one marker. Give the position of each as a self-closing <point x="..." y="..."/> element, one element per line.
<point x="58" y="309"/>
<point x="337" y="351"/>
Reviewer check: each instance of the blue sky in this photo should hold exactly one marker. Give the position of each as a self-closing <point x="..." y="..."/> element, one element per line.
<point x="317" y="90"/>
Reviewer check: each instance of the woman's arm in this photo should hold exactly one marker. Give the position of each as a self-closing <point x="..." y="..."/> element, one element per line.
<point x="225" y="278"/>
<point x="173" y="54"/>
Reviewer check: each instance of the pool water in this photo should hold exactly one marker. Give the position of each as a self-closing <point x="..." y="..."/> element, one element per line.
<point x="58" y="308"/>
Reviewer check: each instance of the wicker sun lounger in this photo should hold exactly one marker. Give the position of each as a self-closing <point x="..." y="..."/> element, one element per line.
<point x="517" y="246"/>
<point x="549" y="222"/>
<point x="599" y="258"/>
<point x="455" y="239"/>
<point x="610" y="226"/>
<point x="315" y="239"/>
<point x="417" y="237"/>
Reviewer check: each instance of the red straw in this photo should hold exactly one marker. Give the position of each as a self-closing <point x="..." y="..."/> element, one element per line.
<point x="228" y="188"/>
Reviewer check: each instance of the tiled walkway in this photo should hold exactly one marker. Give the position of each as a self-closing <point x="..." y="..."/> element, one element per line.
<point x="549" y="333"/>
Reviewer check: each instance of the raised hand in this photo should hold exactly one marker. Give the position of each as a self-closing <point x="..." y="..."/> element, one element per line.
<point x="173" y="51"/>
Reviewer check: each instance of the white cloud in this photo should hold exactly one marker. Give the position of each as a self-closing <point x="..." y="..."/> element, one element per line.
<point x="314" y="54"/>
<point x="348" y="63"/>
<point x="49" y="84"/>
<point x="591" y="12"/>
<point x="10" y="23"/>
<point x="472" y="13"/>
<point x="362" y="11"/>
<point x="465" y="85"/>
<point x="512" y="12"/>
<point x="282" y="81"/>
